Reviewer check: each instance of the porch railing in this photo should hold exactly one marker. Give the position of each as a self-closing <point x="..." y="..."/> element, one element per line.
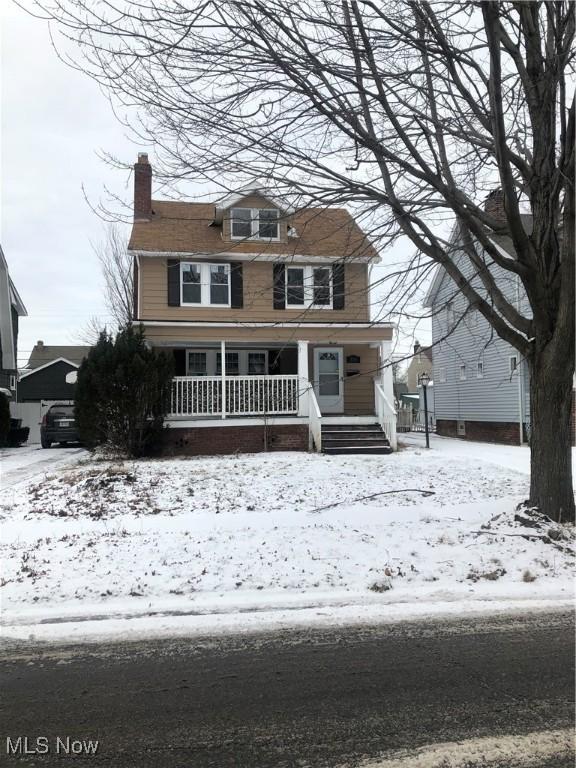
<point x="314" y="421"/>
<point x="386" y="414"/>
<point x="194" y="396"/>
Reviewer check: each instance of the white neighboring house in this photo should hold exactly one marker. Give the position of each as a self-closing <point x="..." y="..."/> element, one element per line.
<point x="481" y="383"/>
<point x="11" y="309"/>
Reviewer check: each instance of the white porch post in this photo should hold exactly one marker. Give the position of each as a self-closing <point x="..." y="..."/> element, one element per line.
<point x="386" y="374"/>
<point x="303" y="378"/>
<point x="223" y="372"/>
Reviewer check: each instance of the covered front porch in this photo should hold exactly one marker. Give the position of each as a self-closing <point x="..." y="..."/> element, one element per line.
<point x="314" y="384"/>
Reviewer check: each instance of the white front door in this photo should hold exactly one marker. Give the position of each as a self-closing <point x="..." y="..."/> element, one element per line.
<point x="328" y="379"/>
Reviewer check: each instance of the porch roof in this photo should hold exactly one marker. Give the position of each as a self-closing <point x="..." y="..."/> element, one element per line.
<point x="161" y="333"/>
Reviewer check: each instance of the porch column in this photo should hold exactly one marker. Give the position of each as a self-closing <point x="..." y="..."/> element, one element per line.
<point x="223" y="372"/>
<point x="303" y="378"/>
<point x="386" y="375"/>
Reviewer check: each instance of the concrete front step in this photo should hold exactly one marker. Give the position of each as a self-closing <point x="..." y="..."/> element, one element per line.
<point x="349" y="427"/>
<point x="353" y="449"/>
<point x="336" y="442"/>
<point x="355" y="439"/>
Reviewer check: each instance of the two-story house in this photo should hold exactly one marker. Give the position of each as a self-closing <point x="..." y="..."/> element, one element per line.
<point x="421" y="362"/>
<point x="266" y="312"/>
<point x="11" y="309"/>
<point x="481" y="383"/>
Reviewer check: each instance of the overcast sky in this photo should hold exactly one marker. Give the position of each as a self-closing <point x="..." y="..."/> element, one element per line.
<point x="55" y="121"/>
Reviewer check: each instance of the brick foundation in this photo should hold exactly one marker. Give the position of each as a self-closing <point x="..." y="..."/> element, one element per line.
<point x="496" y="431"/>
<point x="213" y="441"/>
<point x="483" y="431"/>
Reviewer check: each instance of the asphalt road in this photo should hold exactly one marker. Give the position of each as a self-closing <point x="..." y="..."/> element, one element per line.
<point x="300" y="698"/>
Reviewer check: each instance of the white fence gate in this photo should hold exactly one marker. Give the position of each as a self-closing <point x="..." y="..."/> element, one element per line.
<point x="31" y="415"/>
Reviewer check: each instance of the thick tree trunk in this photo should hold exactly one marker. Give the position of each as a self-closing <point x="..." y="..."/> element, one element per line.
<point x="551" y="382"/>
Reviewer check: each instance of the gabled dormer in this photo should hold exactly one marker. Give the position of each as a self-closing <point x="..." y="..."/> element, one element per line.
<point x="253" y="214"/>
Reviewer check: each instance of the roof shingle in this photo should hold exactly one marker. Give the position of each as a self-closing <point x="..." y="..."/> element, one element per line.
<point x="186" y="228"/>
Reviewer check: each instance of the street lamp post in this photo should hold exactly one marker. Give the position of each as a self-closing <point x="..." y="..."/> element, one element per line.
<point x="424" y="381"/>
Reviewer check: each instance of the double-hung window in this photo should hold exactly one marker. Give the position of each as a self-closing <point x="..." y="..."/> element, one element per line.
<point x="245" y="362"/>
<point x="254" y="224"/>
<point x="205" y="285"/>
<point x="308" y="287"/>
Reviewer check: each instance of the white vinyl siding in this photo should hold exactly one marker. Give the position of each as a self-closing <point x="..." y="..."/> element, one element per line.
<point x="492" y="396"/>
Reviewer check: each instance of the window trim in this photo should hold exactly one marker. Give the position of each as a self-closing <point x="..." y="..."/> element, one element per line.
<point x="480" y="369"/>
<point x="254" y="224"/>
<point x="513" y="370"/>
<point x="205" y="283"/>
<point x="308" y="282"/>
<point x="462" y="370"/>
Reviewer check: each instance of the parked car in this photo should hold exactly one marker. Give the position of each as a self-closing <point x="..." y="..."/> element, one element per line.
<point x="17" y="434"/>
<point x="58" y="426"/>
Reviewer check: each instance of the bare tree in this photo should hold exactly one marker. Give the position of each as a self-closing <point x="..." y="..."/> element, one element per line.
<point x="117" y="270"/>
<point x="90" y="332"/>
<point x="409" y="112"/>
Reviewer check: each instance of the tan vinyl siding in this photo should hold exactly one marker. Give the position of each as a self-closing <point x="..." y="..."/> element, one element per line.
<point x="166" y="336"/>
<point x="258" y="297"/>
<point x="359" y="390"/>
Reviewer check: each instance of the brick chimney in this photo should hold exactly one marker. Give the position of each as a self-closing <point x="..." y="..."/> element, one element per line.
<point x="494" y="205"/>
<point x="142" y="188"/>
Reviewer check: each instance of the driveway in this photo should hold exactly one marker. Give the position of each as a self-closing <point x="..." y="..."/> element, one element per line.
<point x="19" y="465"/>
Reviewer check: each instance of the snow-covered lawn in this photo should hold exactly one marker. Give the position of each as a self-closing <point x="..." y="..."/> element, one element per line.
<point x="28" y="461"/>
<point x="281" y="530"/>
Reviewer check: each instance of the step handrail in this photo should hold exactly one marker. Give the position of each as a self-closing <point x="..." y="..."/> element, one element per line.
<point x="386" y="414"/>
<point x="314" y="421"/>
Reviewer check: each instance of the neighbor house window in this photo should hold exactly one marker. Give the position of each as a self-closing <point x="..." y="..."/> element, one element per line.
<point x="462" y="373"/>
<point x="450" y="316"/>
<point x="254" y="223"/>
<point x="480" y="369"/>
<point x="205" y="285"/>
<point x="513" y="363"/>
<point x="309" y="287"/>
<point x="12" y="383"/>
<point x="442" y="374"/>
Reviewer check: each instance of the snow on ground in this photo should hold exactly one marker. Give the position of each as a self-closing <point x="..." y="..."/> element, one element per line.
<point x="21" y="464"/>
<point x="284" y="531"/>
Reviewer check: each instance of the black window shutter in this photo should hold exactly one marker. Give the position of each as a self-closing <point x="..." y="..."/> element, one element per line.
<point x="173" y="283"/>
<point x="338" y="286"/>
<point x="236" y="285"/>
<point x="279" y="278"/>
<point x="179" y="362"/>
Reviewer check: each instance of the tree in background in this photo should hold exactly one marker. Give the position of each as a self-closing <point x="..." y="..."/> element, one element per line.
<point x="122" y="394"/>
<point x="118" y="272"/>
<point x="408" y="111"/>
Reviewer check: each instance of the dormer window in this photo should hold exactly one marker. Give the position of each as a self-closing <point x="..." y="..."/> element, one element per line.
<point x="254" y="224"/>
